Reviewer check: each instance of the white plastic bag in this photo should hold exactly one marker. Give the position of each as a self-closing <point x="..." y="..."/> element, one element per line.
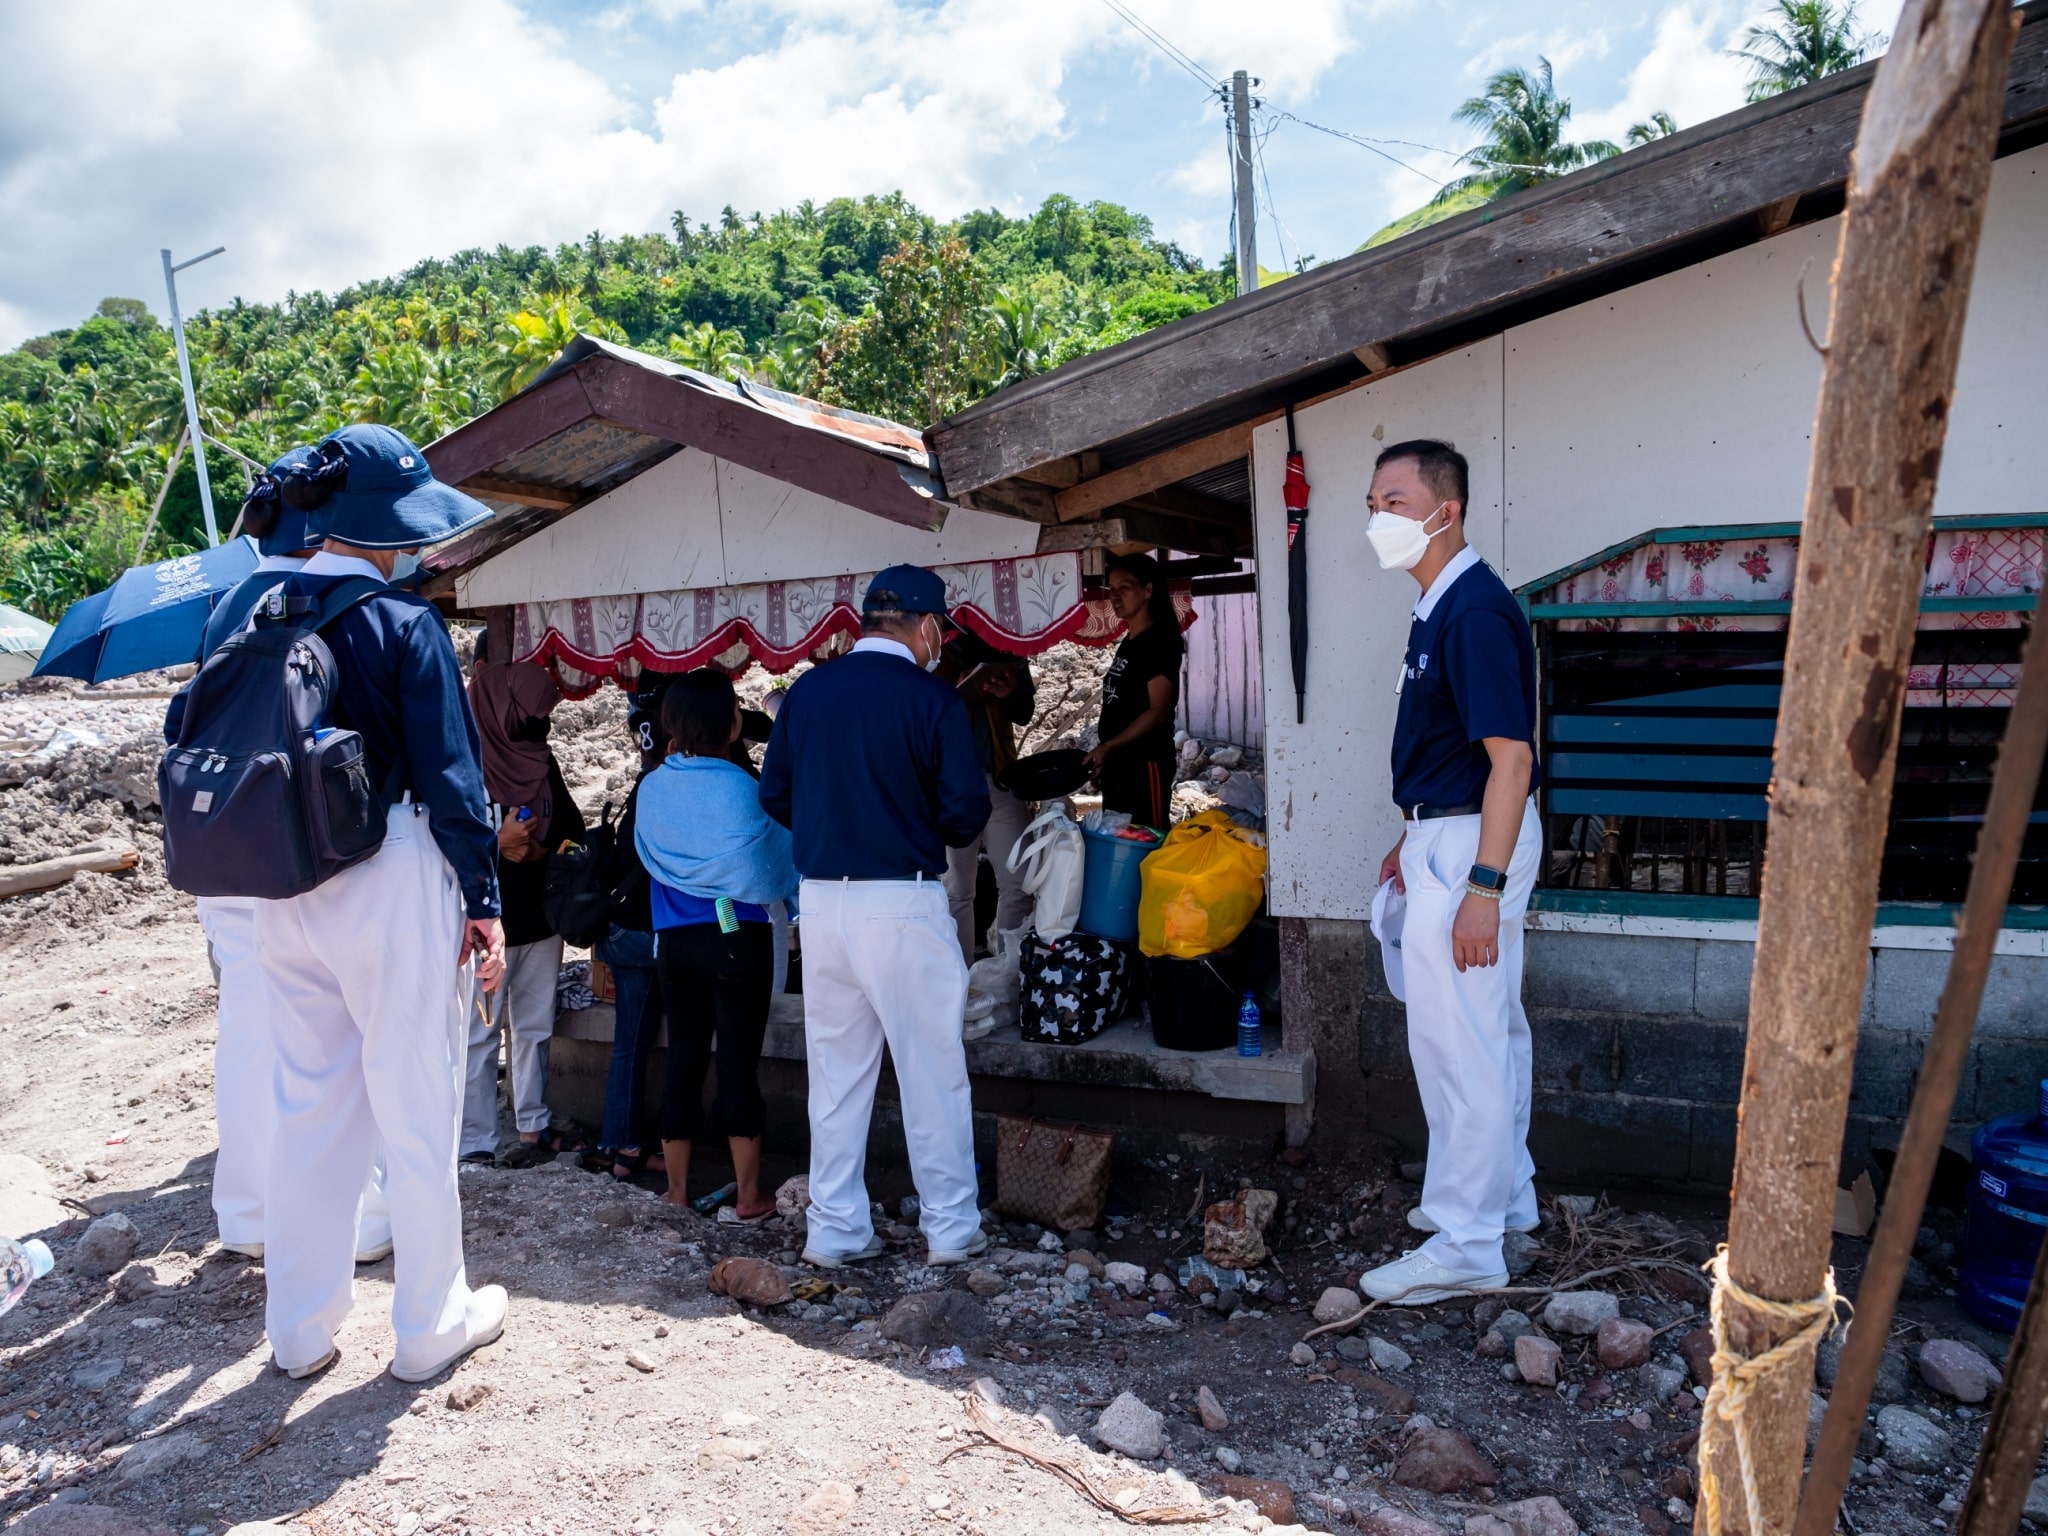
<point x="1052" y="859"/>
<point x="997" y="979"/>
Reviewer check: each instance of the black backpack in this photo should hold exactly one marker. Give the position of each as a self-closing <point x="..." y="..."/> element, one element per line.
<point x="261" y="795"/>
<point x="576" y="892"/>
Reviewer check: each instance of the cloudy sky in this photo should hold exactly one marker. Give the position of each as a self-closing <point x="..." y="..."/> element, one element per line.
<point x="326" y="142"/>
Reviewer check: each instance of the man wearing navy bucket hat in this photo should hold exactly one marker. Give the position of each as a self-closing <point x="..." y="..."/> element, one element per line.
<point x="368" y="973"/>
<point x="243" y="1110"/>
<point x="872" y="767"/>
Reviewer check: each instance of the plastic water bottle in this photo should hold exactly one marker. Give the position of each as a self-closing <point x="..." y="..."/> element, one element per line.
<point x="2008" y="1215"/>
<point x="22" y="1260"/>
<point x="1248" y="1026"/>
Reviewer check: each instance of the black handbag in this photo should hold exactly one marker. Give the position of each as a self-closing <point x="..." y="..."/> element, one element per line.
<point x="576" y="894"/>
<point x="1072" y="989"/>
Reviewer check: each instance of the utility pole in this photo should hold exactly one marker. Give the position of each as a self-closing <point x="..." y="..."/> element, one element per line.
<point x="1241" y="158"/>
<point x="185" y="378"/>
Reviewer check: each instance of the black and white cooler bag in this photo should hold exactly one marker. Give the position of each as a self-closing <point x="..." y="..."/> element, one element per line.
<point x="1072" y="989"/>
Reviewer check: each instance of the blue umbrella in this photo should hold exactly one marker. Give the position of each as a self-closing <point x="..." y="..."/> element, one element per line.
<point x="151" y="617"/>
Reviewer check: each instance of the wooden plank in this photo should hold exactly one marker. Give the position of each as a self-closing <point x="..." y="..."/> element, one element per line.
<point x="498" y="434"/>
<point x="1151" y="474"/>
<point x="1511" y="253"/>
<point x="835" y="467"/>
<point x="1014" y="498"/>
<point x="1777" y="218"/>
<point x="1134" y="525"/>
<point x="1106" y="533"/>
<point x="521" y="492"/>
<point x="1057" y="473"/>
<point x="1179" y="501"/>
<point x="1372" y="357"/>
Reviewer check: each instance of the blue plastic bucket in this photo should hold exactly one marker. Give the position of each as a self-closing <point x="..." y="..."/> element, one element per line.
<point x="1110" y="886"/>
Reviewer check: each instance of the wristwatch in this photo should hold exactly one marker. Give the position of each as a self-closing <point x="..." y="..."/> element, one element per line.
<point x="1487" y="879"/>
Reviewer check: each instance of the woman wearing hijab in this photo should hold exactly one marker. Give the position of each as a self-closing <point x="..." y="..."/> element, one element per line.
<point x="1134" y="761"/>
<point x="512" y="703"/>
<point x="717" y="862"/>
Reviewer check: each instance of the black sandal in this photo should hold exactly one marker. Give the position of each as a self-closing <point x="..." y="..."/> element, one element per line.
<point x="566" y="1137"/>
<point x="526" y="1154"/>
<point x="634" y="1164"/>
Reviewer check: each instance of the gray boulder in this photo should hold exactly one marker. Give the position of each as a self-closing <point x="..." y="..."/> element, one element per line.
<point x="1958" y="1370"/>
<point x="1127" y="1425"/>
<point x="1579" y="1313"/>
<point x="1912" y="1443"/>
<point x="108" y="1243"/>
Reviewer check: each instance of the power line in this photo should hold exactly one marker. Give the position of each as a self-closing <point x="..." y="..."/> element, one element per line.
<point x="1374" y="145"/>
<point x="1159" y="41"/>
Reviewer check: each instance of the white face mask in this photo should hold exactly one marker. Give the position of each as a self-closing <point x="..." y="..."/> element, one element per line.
<point x="937" y="643"/>
<point x="407" y="562"/>
<point x="1399" y="541"/>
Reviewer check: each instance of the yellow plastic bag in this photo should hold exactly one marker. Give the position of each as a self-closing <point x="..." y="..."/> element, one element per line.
<point x="1201" y="888"/>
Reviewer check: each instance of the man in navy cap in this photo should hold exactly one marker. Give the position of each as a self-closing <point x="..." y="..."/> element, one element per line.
<point x="243" y="1110"/>
<point x="369" y="972"/>
<point x="872" y="767"/>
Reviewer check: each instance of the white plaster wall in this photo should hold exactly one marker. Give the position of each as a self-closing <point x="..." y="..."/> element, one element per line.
<point x="1686" y="400"/>
<point x="1327" y="804"/>
<point x="695" y="520"/>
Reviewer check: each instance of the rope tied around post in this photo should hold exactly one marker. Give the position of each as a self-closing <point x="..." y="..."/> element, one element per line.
<point x="1737" y="1376"/>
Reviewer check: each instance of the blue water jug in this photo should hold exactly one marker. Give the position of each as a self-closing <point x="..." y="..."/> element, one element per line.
<point x="1248" y="1026"/>
<point x="2008" y="1215"/>
<point x="1111" y="885"/>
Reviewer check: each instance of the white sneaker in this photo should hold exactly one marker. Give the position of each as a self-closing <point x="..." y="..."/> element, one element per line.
<point x="874" y="1250"/>
<point x="374" y="1252"/>
<point x="1422" y="1223"/>
<point x="1415" y="1281"/>
<point x="485" y="1319"/>
<point x="304" y="1372"/>
<point x="976" y="1247"/>
<point x="246" y="1250"/>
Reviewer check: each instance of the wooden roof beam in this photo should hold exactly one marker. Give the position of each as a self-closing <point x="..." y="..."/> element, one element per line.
<point x="520" y="493"/>
<point x="1136" y="525"/>
<point x="1152" y="474"/>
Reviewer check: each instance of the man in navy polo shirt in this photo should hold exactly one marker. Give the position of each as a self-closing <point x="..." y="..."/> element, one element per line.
<point x="1464" y="763"/>
<point x="873" y="769"/>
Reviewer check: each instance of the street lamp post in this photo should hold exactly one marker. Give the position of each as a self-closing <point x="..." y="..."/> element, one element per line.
<point x="185" y="377"/>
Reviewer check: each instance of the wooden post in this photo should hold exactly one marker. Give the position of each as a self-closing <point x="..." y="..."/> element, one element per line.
<point x="2019" y="1416"/>
<point x="1917" y="191"/>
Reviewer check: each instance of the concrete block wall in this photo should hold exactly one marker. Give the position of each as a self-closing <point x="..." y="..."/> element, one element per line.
<point x="1638" y="1050"/>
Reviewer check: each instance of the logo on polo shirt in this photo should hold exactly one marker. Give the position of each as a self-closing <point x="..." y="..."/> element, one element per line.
<point x="1422" y="662"/>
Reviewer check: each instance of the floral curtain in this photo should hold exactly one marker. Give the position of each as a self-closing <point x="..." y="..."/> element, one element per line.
<point x="1024" y="605"/>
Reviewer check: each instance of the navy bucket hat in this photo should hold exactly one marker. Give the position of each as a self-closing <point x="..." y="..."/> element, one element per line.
<point x="373" y="490"/>
<point x="277" y="528"/>
<point x="906" y="589"/>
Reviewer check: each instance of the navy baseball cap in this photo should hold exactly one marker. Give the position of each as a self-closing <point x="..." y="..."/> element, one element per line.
<point x="380" y="494"/>
<point x="279" y="529"/>
<point x="906" y="589"/>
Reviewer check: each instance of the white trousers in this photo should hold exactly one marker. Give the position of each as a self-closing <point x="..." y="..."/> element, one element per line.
<point x="1007" y="818"/>
<point x="525" y="1003"/>
<point x="368" y="1025"/>
<point x="1469" y="1040"/>
<point x="882" y="966"/>
<point x="244" y="1103"/>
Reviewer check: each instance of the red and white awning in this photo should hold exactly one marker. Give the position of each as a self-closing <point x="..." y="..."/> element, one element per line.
<point x="1025" y="605"/>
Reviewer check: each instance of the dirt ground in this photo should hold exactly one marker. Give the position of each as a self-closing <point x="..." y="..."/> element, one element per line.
<point x="136" y="1393"/>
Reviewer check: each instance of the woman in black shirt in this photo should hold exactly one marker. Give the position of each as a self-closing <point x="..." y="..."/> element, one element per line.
<point x="1134" y="762"/>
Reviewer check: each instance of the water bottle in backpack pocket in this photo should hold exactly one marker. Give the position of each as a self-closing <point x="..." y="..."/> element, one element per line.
<point x="262" y="795"/>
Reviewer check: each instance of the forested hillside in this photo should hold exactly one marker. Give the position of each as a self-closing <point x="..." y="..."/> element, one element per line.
<point x="863" y="302"/>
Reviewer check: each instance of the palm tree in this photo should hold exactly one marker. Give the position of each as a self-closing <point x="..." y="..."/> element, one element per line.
<point x="1022" y="334"/>
<point x="1524" y="120"/>
<point x="708" y="349"/>
<point x="1808" y="39"/>
<point x="1660" y="126"/>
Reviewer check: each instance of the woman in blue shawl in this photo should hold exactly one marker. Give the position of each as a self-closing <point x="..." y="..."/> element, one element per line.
<point x="716" y="862"/>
